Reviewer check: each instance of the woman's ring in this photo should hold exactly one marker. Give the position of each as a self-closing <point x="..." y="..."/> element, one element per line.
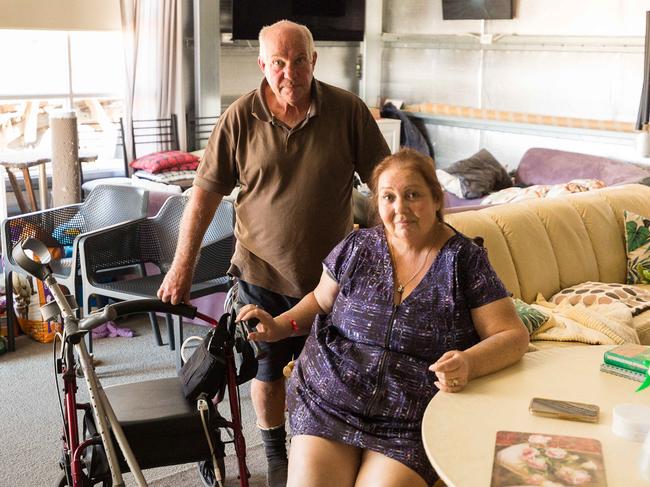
<point x="453" y="382"/>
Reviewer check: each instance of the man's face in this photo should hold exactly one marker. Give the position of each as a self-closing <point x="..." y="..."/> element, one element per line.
<point x="287" y="65"/>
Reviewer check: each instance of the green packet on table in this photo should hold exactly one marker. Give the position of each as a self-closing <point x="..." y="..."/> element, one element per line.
<point x="629" y="356"/>
<point x="635" y="358"/>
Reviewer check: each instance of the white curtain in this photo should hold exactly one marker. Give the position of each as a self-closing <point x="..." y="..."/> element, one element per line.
<point x="153" y="45"/>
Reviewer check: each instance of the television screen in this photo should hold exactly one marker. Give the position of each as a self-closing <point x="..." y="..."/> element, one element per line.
<point x="476" y="9"/>
<point x="328" y="20"/>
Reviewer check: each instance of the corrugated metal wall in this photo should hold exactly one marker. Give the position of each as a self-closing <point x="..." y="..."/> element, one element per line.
<point x="550" y="70"/>
<point x="572" y="58"/>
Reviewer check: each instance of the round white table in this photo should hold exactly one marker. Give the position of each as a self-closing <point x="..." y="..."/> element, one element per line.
<point x="459" y="430"/>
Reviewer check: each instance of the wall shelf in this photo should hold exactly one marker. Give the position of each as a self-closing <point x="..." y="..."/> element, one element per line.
<point x="512" y="42"/>
<point x="616" y="137"/>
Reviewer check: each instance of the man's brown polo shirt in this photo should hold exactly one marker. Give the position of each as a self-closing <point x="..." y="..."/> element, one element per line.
<point x="294" y="205"/>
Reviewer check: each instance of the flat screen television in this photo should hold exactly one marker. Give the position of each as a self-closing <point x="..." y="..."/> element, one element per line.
<point x="328" y="20"/>
<point x="476" y="9"/>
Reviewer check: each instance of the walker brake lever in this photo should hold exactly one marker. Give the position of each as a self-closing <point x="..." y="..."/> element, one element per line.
<point x="245" y="327"/>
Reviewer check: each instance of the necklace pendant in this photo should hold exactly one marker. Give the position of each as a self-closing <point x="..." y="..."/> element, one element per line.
<point x="400" y="289"/>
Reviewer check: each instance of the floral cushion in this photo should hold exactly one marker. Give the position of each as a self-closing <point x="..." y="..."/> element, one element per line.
<point x="532" y="318"/>
<point x="590" y="293"/>
<point x="166" y="161"/>
<point x="167" y="177"/>
<point x="637" y="239"/>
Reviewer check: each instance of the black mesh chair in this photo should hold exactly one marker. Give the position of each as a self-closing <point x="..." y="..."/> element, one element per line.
<point x="63" y="227"/>
<point x="149" y="244"/>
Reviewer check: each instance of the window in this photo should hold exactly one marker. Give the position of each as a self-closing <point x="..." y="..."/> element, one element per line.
<point x="49" y="70"/>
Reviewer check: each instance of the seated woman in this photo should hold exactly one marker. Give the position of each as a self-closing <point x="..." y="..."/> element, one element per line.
<point x="402" y="310"/>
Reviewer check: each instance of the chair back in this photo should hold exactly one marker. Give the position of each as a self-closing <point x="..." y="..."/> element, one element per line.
<point x="105" y="206"/>
<point x="199" y="130"/>
<point x="153" y="240"/>
<point x="216" y="246"/>
<point x="153" y="135"/>
<point x="110" y="204"/>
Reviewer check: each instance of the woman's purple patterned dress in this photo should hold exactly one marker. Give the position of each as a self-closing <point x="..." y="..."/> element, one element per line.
<point x="363" y="376"/>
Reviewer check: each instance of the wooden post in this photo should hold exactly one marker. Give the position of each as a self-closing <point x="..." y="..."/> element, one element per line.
<point x="65" y="158"/>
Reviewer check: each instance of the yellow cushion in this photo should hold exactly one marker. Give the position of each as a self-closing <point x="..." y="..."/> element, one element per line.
<point x="572" y="247"/>
<point x="479" y="224"/>
<point x="530" y="248"/>
<point x="605" y="234"/>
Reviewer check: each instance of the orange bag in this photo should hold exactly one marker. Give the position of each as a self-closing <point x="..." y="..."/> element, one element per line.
<point x="27" y="307"/>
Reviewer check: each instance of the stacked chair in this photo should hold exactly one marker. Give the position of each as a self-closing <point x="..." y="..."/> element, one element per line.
<point x="62" y="228"/>
<point x="148" y="245"/>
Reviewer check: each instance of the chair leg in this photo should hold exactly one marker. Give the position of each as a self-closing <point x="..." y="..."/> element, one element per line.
<point x="11" y="315"/>
<point x="156" y="329"/>
<point x="170" y="331"/>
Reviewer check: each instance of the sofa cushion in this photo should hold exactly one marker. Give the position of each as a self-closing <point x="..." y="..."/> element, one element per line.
<point x="480" y="174"/>
<point x="480" y="224"/>
<point x="550" y="166"/>
<point x="546" y="245"/>
<point x="637" y="239"/>
<point x="590" y="293"/>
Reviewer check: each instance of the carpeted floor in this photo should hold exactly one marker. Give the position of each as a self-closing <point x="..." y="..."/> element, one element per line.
<point x="31" y="426"/>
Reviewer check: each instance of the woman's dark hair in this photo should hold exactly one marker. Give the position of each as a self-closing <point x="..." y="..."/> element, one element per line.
<point x="415" y="161"/>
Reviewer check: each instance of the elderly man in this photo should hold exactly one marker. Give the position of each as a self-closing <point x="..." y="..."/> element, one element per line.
<point x="293" y="145"/>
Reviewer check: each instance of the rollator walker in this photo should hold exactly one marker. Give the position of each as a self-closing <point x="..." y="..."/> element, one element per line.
<point x="131" y="427"/>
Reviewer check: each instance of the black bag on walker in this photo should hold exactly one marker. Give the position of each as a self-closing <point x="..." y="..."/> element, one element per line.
<point x="205" y="372"/>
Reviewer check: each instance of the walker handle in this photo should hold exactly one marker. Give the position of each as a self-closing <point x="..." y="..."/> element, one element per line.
<point x="117" y="310"/>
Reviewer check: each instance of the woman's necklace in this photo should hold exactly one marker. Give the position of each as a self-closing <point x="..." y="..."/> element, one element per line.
<point x="401" y="286"/>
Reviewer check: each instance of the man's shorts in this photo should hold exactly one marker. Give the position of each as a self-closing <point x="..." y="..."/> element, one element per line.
<point x="278" y="354"/>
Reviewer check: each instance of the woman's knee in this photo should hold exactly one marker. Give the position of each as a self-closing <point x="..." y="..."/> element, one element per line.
<point x="316" y="462"/>
<point x="378" y="470"/>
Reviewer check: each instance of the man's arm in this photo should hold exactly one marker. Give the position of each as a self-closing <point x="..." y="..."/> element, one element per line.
<point x="198" y="214"/>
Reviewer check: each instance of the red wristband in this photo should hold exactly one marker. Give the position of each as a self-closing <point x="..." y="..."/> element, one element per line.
<point x="294" y="325"/>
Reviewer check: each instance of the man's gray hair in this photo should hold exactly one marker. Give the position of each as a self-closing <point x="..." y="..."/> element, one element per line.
<point x="311" y="48"/>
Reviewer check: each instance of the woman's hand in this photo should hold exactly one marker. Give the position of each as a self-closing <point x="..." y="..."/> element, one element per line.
<point x="268" y="329"/>
<point x="452" y="370"/>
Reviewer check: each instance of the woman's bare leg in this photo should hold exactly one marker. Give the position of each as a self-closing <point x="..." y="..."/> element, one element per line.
<point x="316" y="462"/>
<point x="378" y="470"/>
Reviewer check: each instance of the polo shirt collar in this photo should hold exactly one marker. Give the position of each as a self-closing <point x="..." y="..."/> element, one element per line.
<point x="261" y="111"/>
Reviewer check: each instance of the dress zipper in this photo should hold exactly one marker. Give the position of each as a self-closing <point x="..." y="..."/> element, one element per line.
<point x="382" y="362"/>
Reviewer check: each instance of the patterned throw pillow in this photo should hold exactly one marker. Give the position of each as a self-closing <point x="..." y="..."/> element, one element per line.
<point x="532" y="318"/>
<point x="637" y="239"/>
<point x="588" y="293"/>
<point x="174" y="160"/>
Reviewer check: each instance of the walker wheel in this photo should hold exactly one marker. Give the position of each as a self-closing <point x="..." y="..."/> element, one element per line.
<point x="62" y="481"/>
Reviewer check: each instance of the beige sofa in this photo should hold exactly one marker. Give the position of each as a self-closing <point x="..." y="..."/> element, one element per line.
<point x="544" y="246"/>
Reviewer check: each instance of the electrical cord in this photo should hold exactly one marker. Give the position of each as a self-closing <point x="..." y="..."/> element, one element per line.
<point x="202" y="406"/>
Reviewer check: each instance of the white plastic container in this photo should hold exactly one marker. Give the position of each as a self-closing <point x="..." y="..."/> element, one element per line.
<point x="631" y="421"/>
